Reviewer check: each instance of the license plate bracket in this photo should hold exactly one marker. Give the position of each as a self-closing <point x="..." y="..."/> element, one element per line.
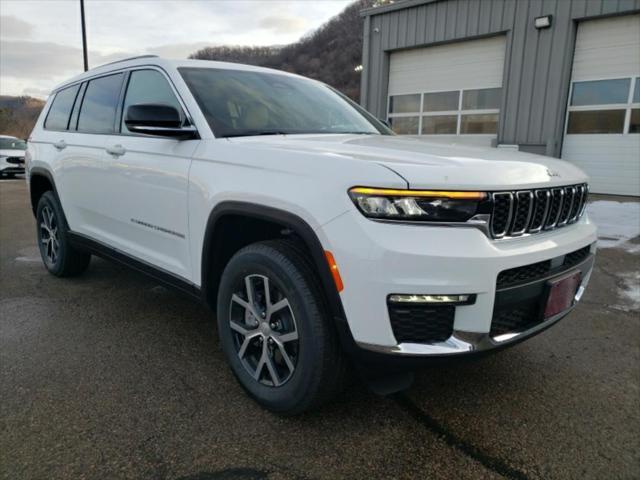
<point x="561" y="294"/>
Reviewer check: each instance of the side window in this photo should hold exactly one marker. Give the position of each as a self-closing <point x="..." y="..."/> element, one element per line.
<point x="58" y="116"/>
<point x="149" y="86"/>
<point x="98" y="111"/>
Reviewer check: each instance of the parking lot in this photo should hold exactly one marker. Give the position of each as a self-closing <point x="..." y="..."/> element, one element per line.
<point x="111" y="376"/>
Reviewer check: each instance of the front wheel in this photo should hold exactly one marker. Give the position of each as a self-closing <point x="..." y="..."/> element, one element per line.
<point x="275" y="330"/>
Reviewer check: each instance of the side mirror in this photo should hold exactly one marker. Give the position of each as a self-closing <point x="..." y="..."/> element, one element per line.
<point x="157" y="120"/>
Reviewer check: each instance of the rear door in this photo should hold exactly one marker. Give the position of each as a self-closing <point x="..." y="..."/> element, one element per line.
<point x="148" y="177"/>
<point x="83" y="163"/>
<point x="51" y="145"/>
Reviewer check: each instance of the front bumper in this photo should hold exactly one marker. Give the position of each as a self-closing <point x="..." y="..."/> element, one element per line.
<point x="379" y="259"/>
<point x="12" y="165"/>
<point x="12" y="170"/>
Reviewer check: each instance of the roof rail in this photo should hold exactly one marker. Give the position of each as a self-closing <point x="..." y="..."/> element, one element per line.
<point x="127" y="59"/>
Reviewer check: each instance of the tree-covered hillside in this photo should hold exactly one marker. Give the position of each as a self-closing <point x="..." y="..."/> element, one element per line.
<point x="18" y="115"/>
<point x="329" y="54"/>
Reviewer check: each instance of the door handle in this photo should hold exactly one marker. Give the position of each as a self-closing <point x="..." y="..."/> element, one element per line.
<point x="116" y="150"/>
<point x="61" y="145"/>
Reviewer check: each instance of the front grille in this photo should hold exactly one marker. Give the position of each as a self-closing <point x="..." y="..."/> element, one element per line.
<point x="15" y="160"/>
<point x="421" y="323"/>
<point x="539" y="270"/>
<point x="514" y="320"/>
<point x="523" y="274"/>
<point x="574" y="258"/>
<point x="530" y="211"/>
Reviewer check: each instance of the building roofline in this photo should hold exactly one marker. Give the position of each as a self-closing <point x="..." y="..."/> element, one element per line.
<point x="391" y="7"/>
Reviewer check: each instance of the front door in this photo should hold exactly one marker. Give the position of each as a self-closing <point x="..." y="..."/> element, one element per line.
<point x="149" y="178"/>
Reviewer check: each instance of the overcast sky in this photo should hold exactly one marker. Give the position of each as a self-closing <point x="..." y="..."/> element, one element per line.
<point x="41" y="42"/>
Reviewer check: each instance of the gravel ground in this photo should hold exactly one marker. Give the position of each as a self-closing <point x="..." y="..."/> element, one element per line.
<point x="112" y="376"/>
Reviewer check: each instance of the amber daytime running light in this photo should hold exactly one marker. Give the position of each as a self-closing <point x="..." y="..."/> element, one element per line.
<point x="417" y="205"/>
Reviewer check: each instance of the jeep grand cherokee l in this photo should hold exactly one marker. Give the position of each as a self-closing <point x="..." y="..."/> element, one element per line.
<point x="316" y="235"/>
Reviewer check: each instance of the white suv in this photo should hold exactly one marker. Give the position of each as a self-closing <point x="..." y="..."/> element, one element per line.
<point x="316" y="235"/>
<point x="11" y="156"/>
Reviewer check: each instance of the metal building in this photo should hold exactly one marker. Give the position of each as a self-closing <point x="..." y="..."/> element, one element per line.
<point x="555" y="77"/>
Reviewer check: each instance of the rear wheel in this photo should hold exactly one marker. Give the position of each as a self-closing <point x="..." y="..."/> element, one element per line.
<point x="275" y="330"/>
<point x="58" y="255"/>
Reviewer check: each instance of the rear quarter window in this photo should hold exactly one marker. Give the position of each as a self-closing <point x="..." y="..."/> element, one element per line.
<point x="60" y="111"/>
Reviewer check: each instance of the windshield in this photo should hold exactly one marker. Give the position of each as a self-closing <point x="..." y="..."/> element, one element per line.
<point x="12" y="144"/>
<point x="244" y="103"/>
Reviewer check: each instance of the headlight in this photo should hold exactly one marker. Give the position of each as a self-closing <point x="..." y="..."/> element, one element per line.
<point x="418" y="205"/>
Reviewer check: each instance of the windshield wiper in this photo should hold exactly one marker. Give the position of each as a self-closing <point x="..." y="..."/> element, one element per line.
<point x="356" y="133"/>
<point x="255" y="133"/>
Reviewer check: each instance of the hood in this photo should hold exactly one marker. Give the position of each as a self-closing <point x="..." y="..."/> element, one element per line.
<point x="434" y="164"/>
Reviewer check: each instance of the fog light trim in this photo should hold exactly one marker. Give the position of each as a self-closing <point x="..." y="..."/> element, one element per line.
<point x="458" y="299"/>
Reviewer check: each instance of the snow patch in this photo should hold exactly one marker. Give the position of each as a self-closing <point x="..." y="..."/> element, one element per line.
<point x="617" y="222"/>
<point x="630" y="292"/>
<point x="29" y="259"/>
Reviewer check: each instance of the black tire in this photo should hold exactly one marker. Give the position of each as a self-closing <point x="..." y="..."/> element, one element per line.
<point x="320" y="366"/>
<point x="65" y="261"/>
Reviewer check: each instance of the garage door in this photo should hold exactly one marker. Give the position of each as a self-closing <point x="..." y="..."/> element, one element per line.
<point x="603" y="120"/>
<point x="448" y="90"/>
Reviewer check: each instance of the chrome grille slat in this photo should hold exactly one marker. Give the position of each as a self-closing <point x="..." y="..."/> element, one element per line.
<point x="541" y="208"/>
<point x="567" y="205"/>
<point x="502" y="206"/>
<point x="526" y="212"/>
<point x="585" y="197"/>
<point x="555" y="209"/>
<point x="522" y="213"/>
<point x="577" y="204"/>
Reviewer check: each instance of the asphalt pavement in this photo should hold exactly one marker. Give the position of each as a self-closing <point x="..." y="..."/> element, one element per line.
<point x="110" y="376"/>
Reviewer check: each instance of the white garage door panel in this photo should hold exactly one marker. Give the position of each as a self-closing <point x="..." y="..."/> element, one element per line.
<point x="613" y="164"/>
<point x="607" y="49"/>
<point x="448" y="67"/>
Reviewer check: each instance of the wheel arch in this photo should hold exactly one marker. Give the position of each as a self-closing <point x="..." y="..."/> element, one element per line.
<point x="289" y="224"/>
<point x="40" y="181"/>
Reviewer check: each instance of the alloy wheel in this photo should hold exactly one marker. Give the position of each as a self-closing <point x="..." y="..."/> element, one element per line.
<point x="264" y="330"/>
<point x="49" y="236"/>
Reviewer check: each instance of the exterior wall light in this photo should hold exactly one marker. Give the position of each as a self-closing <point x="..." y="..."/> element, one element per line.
<point x="543" y="22"/>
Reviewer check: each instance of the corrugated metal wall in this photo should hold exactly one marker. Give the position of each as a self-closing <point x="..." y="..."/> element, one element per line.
<point x="537" y="64"/>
